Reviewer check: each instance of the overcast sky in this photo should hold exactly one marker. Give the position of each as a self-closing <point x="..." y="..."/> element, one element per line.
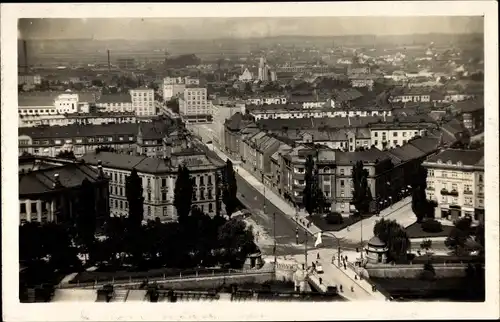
<point x="199" y="28"/>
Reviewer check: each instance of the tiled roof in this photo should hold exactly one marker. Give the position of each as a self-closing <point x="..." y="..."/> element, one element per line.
<point x="345" y="95"/>
<point x="425" y="144"/>
<point x="372" y="155"/>
<point x="115" y="98"/>
<point x="406" y="152"/>
<point x="469" y="106"/>
<point x="77" y="130"/>
<point x="236" y="121"/>
<point x="467" y="157"/>
<point x="194" y="161"/>
<point x="42" y="181"/>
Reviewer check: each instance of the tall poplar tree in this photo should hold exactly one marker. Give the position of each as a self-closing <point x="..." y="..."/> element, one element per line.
<point x="135" y="198"/>
<point x="183" y="193"/>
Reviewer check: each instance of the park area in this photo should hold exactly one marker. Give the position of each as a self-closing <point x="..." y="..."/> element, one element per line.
<point x="416" y="230"/>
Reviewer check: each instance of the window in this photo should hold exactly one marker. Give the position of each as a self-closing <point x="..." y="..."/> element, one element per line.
<point x="202" y="183"/>
<point x="394" y="134"/>
<point x="341" y="172"/>
<point x="376" y="134"/>
<point x="454" y="186"/>
<point x="22" y="207"/>
<point x="342" y="194"/>
<point x="404" y="134"/>
<point x="341" y="183"/>
<point x="430" y="173"/>
<point x="163" y="182"/>
<point x="395" y="142"/>
<point x="454" y="174"/>
<point x="33" y="207"/>
<point x="445" y="174"/>
<point x="209" y="180"/>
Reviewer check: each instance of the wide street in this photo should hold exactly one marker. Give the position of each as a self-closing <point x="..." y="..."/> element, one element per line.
<point x="253" y="200"/>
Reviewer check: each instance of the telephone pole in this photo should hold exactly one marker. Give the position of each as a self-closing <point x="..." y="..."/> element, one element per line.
<point x="305" y="246"/>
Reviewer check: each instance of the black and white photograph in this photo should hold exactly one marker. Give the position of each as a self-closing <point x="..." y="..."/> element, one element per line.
<point x="251" y="160"/>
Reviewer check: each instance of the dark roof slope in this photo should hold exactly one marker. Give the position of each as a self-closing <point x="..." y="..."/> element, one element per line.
<point x="78" y="130"/>
<point x="467" y="157"/>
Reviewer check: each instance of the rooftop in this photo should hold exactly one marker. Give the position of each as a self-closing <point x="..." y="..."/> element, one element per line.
<point x="42" y="181"/>
<point x="77" y="130"/>
<point x="467" y="157"/>
<point x="115" y="98"/>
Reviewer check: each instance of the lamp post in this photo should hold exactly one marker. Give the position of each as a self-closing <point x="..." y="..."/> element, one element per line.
<point x="338" y="245"/>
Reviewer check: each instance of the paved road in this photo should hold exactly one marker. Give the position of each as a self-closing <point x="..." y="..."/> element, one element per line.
<point x="285" y="227"/>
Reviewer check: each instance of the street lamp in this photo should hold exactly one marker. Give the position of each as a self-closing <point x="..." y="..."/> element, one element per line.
<point x="338" y="245"/>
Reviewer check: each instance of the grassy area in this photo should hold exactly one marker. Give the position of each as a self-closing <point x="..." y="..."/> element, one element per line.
<point x="415" y="231"/>
<point x="322" y="224"/>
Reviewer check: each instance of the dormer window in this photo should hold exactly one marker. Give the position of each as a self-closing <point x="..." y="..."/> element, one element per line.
<point x="459" y="163"/>
<point x="449" y="162"/>
<point x="439" y="161"/>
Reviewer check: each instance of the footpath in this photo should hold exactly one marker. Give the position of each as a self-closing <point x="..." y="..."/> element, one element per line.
<point x="333" y="275"/>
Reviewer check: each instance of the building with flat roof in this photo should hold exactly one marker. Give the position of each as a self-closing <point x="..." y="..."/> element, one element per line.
<point x="119" y="102"/>
<point x="194" y="106"/>
<point x="143" y="102"/>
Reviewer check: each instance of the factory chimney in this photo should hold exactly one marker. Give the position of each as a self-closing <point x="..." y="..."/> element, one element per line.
<point x="109" y="62"/>
<point x="25" y="50"/>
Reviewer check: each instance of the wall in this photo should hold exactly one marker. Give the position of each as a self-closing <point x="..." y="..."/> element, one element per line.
<point x="413" y="271"/>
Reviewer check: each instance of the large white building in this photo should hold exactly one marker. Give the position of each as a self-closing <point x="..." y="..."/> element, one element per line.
<point x="194" y="106"/>
<point x="143" y="102"/>
<point x="455" y="181"/>
<point x="50" y="103"/>
<point x="119" y="102"/>
<point x="174" y="86"/>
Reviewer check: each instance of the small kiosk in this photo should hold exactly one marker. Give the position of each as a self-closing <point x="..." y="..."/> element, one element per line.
<point x="376" y="251"/>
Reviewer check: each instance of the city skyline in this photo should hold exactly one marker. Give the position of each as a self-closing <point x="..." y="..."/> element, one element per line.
<point x="214" y="28"/>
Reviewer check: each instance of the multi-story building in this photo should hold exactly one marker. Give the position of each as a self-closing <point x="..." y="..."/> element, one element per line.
<point x="222" y="112"/>
<point x="175" y="86"/>
<point x="194" y="107"/>
<point x="263" y="70"/>
<point x="236" y="127"/>
<point x="266" y="100"/>
<point x="53" y="103"/>
<point x="49" y="189"/>
<point x="386" y="136"/>
<point x="472" y="112"/>
<point x="455" y="181"/>
<point x="77" y="118"/>
<point x="143" y="102"/>
<point x="119" y="102"/>
<point x="291" y="111"/>
<point x="150" y="136"/>
<point x="49" y="141"/>
<point x="158" y="181"/>
<point x="257" y="151"/>
<point x="29" y="79"/>
<point x="410" y="94"/>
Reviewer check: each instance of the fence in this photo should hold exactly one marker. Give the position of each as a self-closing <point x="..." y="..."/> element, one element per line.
<point x="131" y="281"/>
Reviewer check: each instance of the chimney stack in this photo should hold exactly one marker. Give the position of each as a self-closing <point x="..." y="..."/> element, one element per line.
<point x="57" y="182"/>
<point x="99" y="169"/>
<point x="109" y="62"/>
<point x="25" y="49"/>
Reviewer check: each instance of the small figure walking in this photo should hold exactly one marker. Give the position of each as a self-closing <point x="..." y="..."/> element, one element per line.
<point x="341" y="289"/>
<point x="352" y="288"/>
<point x="345" y="266"/>
<point x="317" y="256"/>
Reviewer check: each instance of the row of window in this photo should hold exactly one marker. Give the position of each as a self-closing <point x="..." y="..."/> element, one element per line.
<point x="80" y="140"/>
<point x="394" y="134"/>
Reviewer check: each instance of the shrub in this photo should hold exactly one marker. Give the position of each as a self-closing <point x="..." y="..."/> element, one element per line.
<point x="432" y="226"/>
<point x="426" y="244"/>
<point x="334" y="218"/>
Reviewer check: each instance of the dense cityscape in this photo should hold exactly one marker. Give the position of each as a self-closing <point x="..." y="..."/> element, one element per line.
<point x="284" y="168"/>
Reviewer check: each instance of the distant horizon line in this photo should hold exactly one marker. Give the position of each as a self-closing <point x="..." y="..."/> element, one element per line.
<point x="263" y="37"/>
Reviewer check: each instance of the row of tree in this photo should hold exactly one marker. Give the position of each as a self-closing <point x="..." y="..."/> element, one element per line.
<point x="194" y="240"/>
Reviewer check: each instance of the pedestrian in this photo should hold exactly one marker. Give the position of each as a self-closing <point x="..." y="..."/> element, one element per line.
<point x="341" y="289"/>
<point x="345" y="266"/>
<point x="317" y="256"/>
<point x="314" y="266"/>
<point x="352" y="288"/>
<point x="355" y="277"/>
<point x="320" y="280"/>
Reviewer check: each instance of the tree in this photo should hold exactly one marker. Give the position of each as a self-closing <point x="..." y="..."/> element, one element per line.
<point x="173" y="104"/>
<point x="394" y="236"/>
<point x="135" y="199"/>
<point x="230" y="188"/>
<point x="422" y="208"/>
<point x="183" y="193"/>
<point x="105" y="148"/>
<point x="237" y="241"/>
<point x="86" y="218"/>
<point x="312" y="198"/>
<point x="70" y="155"/>
<point x="361" y="191"/>
<point x="457" y="239"/>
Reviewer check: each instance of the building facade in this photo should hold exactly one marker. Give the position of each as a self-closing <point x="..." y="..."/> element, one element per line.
<point x="143" y="102"/>
<point x="49" y="192"/>
<point x="456" y="182"/>
<point x="194" y="106"/>
<point x="120" y="102"/>
<point x="158" y="181"/>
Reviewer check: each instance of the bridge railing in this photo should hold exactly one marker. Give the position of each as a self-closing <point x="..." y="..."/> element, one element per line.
<point x="165" y="278"/>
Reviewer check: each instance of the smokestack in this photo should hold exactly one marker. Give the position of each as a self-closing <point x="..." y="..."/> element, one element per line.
<point x="25" y="49"/>
<point x="109" y="62"/>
